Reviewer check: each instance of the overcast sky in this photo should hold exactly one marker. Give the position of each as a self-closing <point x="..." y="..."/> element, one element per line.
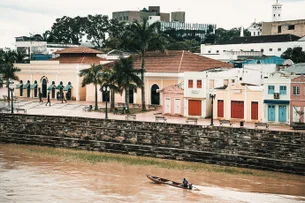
<point x="21" y="17"/>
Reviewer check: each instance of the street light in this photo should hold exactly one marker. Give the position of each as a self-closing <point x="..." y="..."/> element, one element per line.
<point x="11" y="88"/>
<point x="212" y="97"/>
<point x="106" y="91"/>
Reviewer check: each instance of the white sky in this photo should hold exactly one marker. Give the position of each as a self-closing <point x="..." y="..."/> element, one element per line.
<point x="21" y="17"/>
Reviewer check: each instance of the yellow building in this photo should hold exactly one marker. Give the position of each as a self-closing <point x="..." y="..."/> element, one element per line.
<point x="239" y="102"/>
<point x="162" y="70"/>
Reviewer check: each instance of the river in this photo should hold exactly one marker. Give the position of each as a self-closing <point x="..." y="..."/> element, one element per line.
<point x="30" y="178"/>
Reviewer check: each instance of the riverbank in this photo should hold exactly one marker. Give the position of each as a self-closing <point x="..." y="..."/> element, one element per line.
<point x="89" y="157"/>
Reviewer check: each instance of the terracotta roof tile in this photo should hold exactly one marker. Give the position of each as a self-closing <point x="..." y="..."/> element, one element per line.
<point x="78" y="50"/>
<point x="178" y="62"/>
<point x="79" y="59"/>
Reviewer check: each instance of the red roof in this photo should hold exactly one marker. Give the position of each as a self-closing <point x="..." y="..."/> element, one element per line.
<point x="78" y="50"/>
<point x="79" y="59"/>
<point x="173" y="61"/>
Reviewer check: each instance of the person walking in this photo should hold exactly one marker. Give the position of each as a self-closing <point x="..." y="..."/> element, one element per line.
<point x="40" y="96"/>
<point x="49" y="100"/>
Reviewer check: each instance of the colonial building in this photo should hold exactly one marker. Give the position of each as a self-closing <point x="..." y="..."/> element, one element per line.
<point x="297" y="90"/>
<point x="239" y="102"/>
<point x="173" y="100"/>
<point x="61" y="71"/>
<point x="277" y="98"/>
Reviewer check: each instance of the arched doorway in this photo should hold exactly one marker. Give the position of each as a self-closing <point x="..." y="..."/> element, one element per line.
<point x="21" y="88"/>
<point x="131" y="91"/>
<point x="44" y="88"/>
<point x="155" y="96"/>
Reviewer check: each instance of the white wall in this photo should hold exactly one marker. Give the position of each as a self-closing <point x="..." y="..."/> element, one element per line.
<point x="283" y="46"/>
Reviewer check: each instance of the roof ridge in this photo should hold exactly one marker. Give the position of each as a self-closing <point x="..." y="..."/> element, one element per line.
<point x="179" y="68"/>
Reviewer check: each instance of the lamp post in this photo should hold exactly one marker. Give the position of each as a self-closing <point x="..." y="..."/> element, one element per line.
<point x="106" y="91"/>
<point x="212" y="97"/>
<point x="11" y="88"/>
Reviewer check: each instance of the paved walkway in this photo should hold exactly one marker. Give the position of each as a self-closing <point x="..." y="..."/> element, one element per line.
<point x="73" y="108"/>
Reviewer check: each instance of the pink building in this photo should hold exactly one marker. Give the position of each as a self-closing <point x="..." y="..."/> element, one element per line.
<point x="297" y="99"/>
<point x="173" y="100"/>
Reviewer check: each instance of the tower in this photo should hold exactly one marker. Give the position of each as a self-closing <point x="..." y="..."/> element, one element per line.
<point x="276" y="11"/>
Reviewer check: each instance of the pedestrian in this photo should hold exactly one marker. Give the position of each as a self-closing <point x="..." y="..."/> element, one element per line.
<point x="40" y="96"/>
<point x="49" y="101"/>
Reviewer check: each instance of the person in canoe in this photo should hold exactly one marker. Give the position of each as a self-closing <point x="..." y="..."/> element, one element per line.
<point x="185" y="183"/>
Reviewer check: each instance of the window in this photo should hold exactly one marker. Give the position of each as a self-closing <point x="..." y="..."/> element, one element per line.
<point x="283" y="90"/>
<point x="209" y="52"/>
<point x="252" y="49"/>
<point x="217" y="51"/>
<point x="270" y="49"/>
<point x="290" y="27"/>
<point x="279" y="49"/>
<point x="279" y="29"/>
<point x="270" y="89"/>
<point x="253" y="33"/>
<point x="296" y="90"/>
<point x="199" y="84"/>
<point x="190" y="84"/>
<point x="262" y="50"/>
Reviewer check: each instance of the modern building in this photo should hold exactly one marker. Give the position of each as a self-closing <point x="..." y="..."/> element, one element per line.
<point x="32" y="46"/>
<point x="178" y="16"/>
<point x="269" y="45"/>
<point x="196" y="29"/>
<point x="130" y="16"/>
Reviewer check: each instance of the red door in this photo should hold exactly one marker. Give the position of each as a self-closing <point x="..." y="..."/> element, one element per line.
<point x="220" y="108"/>
<point x="237" y="109"/>
<point x="194" y="108"/>
<point x="254" y="110"/>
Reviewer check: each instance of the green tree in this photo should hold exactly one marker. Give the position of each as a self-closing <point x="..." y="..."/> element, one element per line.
<point x="222" y="35"/>
<point x="92" y="75"/>
<point x="297" y="55"/>
<point x="126" y="76"/>
<point x="115" y="31"/>
<point x="142" y="37"/>
<point x="68" y="30"/>
<point x="112" y="83"/>
<point x="8" y="72"/>
<point x="21" y="56"/>
<point x="96" y="27"/>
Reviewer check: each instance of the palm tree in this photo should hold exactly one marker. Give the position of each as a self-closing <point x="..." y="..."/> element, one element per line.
<point x="126" y="76"/>
<point x="20" y="56"/>
<point x="92" y="75"/>
<point x="141" y="37"/>
<point x="111" y="82"/>
<point x="9" y="72"/>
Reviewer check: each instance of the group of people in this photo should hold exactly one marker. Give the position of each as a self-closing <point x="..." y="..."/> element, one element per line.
<point x="48" y="98"/>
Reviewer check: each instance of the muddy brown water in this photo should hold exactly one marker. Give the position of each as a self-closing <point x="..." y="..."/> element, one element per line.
<point x="30" y="178"/>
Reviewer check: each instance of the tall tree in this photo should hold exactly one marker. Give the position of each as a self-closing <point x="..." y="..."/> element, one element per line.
<point x="112" y="83"/>
<point x="141" y="37"/>
<point x="126" y="76"/>
<point x="92" y="75"/>
<point x="68" y="30"/>
<point x="115" y="31"/>
<point x="297" y="55"/>
<point x="96" y="28"/>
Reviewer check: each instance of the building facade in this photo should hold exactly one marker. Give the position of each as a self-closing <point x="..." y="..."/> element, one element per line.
<point x="277" y="98"/>
<point x="297" y="92"/>
<point x="294" y="27"/>
<point x="173" y="97"/>
<point x="271" y="45"/>
<point x="239" y="102"/>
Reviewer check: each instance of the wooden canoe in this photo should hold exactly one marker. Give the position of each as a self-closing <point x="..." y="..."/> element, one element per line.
<point x="160" y="180"/>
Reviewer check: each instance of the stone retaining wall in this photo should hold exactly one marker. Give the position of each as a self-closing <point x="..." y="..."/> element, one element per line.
<point x="259" y="149"/>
